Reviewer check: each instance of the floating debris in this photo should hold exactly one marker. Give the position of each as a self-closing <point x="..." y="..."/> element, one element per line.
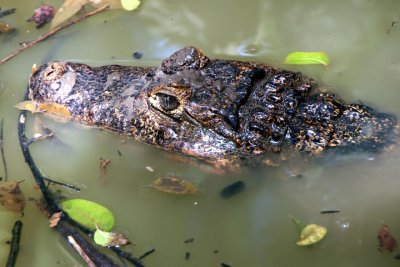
<point x="233" y="189"/>
<point x="42" y="15"/>
<point x="137" y="55"/>
<point x="187" y="255"/>
<point x="147" y="253"/>
<point x="189" y="240"/>
<point x="11" y="196"/>
<point x="6" y="27"/>
<point x="102" y="168"/>
<point x="149" y="168"/>
<point x="329" y="211"/>
<point x="386" y="240"/>
<point x="174" y="185"/>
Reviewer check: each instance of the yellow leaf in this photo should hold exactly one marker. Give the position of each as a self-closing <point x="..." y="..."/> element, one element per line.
<point x="67" y="10"/>
<point x="174" y="185"/>
<point x="11" y="196"/>
<point x="130" y="5"/>
<point x="55" y="109"/>
<point x="27" y="105"/>
<point x="311" y="234"/>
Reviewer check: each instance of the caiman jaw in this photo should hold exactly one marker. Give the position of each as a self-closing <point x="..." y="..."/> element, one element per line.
<point x="212" y="109"/>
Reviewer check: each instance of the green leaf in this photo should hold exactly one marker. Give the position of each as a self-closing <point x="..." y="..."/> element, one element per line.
<point x="89" y="214"/>
<point x="305" y="58"/>
<point x="311" y="234"/>
<point x="130" y="5"/>
<point x="106" y="239"/>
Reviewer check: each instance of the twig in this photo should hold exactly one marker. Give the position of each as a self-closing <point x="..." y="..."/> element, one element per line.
<point x="50" y="181"/>
<point x="2" y="150"/>
<point x="52" y="32"/>
<point x="14" y="249"/>
<point x="7" y="12"/>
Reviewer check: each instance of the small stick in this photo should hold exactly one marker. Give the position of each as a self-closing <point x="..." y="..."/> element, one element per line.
<point x="80" y="251"/>
<point x="7" y="12"/>
<point x="16" y="236"/>
<point x="2" y="150"/>
<point x="70" y="186"/>
<point x="52" y="32"/>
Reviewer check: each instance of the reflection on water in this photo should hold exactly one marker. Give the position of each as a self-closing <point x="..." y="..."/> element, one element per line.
<point x="254" y="227"/>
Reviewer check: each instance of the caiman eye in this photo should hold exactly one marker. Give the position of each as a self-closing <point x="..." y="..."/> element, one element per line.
<point x="167" y="102"/>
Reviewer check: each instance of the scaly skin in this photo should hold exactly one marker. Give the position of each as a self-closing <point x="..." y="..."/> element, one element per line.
<point x="216" y="110"/>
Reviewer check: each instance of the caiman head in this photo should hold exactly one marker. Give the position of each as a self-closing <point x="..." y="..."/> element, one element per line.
<point x="211" y="109"/>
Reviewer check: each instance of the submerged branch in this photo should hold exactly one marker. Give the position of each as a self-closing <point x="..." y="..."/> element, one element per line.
<point x="72" y="232"/>
<point x="2" y="150"/>
<point x="14" y="249"/>
<point x="52" y="32"/>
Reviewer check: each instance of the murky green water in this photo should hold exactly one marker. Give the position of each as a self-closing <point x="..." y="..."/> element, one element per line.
<point x="254" y="227"/>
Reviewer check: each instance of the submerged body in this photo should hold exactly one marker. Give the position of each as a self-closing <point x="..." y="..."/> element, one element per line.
<point x="216" y="110"/>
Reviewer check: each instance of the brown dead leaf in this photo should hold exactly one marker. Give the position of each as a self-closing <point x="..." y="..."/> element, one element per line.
<point x="386" y="240"/>
<point x="55" y="218"/>
<point x="102" y="167"/>
<point x="174" y="185"/>
<point x="55" y="109"/>
<point x="11" y="196"/>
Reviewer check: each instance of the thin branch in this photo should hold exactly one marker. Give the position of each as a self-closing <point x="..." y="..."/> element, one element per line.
<point x="52" y="32"/>
<point x="70" y="186"/>
<point x="2" y="150"/>
<point x="14" y="249"/>
<point x="63" y="227"/>
<point x="69" y="229"/>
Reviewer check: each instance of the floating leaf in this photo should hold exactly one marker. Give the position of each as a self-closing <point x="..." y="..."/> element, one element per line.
<point x="106" y="239"/>
<point x="386" y="240"/>
<point x="174" y="185"/>
<point x="54" y="219"/>
<point x="311" y="234"/>
<point x="305" y="58"/>
<point x="130" y="5"/>
<point x="11" y="196"/>
<point x="27" y="105"/>
<point x="55" y="109"/>
<point x="89" y="213"/>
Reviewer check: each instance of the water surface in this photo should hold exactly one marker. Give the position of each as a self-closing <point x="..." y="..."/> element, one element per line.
<point x="253" y="228"/>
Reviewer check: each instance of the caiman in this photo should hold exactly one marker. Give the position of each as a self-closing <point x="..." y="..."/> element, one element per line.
<point x="216" y="110"/>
